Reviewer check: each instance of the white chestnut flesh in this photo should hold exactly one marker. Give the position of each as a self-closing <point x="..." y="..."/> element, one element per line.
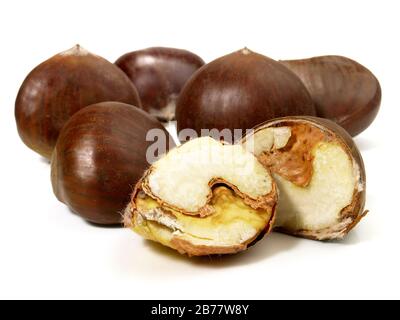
<point x="204" y="198"/>
<point x="319" y="173"/>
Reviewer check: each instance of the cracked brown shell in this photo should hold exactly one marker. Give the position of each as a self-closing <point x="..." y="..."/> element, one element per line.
<point x="267" y="202"/>
<point x="355" y="210"/>
<point x="185" y="247"/>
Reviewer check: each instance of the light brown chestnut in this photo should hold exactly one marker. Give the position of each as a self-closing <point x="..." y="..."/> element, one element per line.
<point x="159" y="74"/>
<point x="239" y="91"/>
<point x="319" y="173"/>
<point x="61" y="86"/>
<point x="99" y="157"/>
<point x="342" y="90"/>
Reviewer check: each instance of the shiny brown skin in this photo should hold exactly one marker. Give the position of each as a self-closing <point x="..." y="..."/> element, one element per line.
<point x="61" y="86"/>
<point x="342" y="90"/>
<point x="239" y="91"/>
<point x="159" y="74"/>
<point x="99" y="157"/>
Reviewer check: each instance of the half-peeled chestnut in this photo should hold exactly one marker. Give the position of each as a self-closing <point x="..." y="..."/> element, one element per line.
<point x="61" y="86"/>
<point x="99" y="157"/>
<point x="342" y="90"/>
<point x="159" y="74"/>
<point x="319" y="173"/>
<point x="239" y="91"/>
<point x="204" y="198"/>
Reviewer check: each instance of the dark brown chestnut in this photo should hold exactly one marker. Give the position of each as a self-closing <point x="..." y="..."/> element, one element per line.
<point x="61" y="86"/>
<point x="159" y="75"/>
<point x="239" y="91"/>
<point x="99" y="157"/>
<point x="342" y="90"/>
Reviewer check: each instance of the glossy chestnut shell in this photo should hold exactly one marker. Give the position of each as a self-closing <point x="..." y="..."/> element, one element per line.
<point x="343" y="90"/>
<point x="159" y="74"/>
<point x="61" y="86"/>
<point x="239" y="91"/>
<point x="99" y="157"/>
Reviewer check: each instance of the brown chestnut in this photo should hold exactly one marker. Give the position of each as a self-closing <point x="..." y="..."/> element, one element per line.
<point x="99" y="157"/>
<point x="343" y="90"/>
<point x="59" y="87"/>
<point x="159" y="75"/>
<point x="239" y="91"/>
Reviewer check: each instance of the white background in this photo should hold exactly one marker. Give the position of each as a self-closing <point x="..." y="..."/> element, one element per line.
<point x="46" y="252"/>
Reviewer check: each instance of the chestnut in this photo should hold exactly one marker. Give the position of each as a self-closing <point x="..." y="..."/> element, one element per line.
<point x="218" y="200"/>
<point x="342" y="90"/>
<point x="319" y="173"/>
<point x="61" y="86"/>
<point x="159" y="74"/>
<point x="99" y="156"/>
<point x="239" y="91"/>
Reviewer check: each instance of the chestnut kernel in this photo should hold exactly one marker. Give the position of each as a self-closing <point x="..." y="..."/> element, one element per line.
<point x="343" y="90"/>
<point x="319" y="173"/>
<point x="219" y="200"/>
<point x="159" y="74"/>
<point x="99" y="156"/>
<point x="61" y="86"/>
<point x="239" y="91"/>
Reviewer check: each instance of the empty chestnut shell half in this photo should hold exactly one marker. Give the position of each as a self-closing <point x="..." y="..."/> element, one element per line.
<point x="343" y="90"/>
<point x="61" y="86"/>
<point x="239" y="91"/>
<point x="159" y="74"/>
<point x="100" y="155"/>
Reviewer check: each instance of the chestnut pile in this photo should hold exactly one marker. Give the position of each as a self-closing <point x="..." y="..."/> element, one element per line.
<point x="266" y="145"/>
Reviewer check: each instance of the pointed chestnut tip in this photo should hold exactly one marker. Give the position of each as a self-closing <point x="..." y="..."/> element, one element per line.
<point x="245" y="51"/>
<point x="76" y="50"/>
